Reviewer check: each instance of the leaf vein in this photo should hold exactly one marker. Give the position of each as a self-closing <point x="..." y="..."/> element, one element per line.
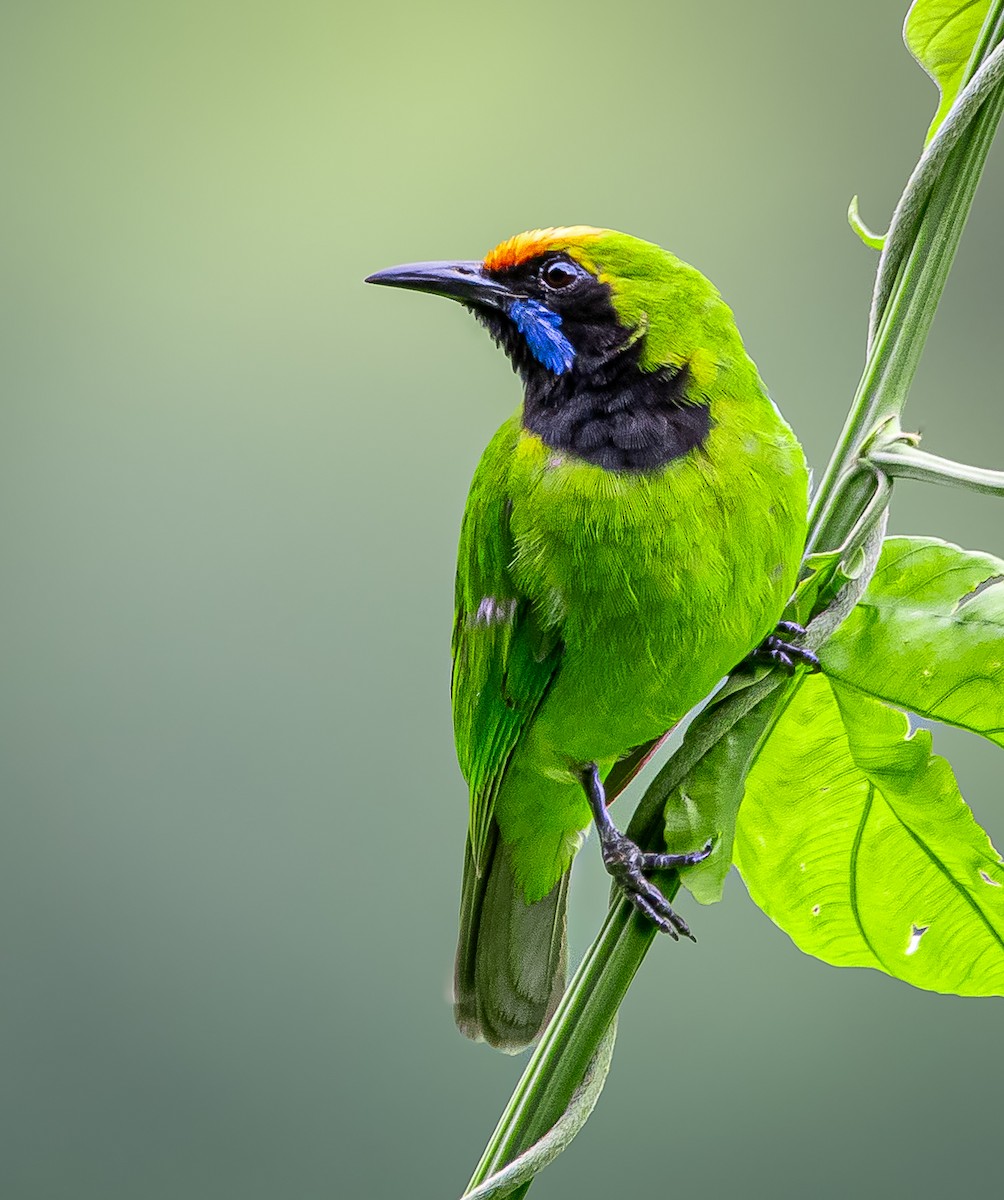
<point x="853" y="872"/>
<point x="956" y="885"/>
<point x="928" y="580"/>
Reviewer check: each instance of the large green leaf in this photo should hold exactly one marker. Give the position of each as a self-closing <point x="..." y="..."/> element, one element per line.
<point x="928" y="635"/>
<point x="855" y="840"/>
<point x="941" y="34"/>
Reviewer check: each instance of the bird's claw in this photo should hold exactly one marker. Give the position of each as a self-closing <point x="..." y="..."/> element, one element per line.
<point x="781" y="649"/>
<point x="627" y="864"/>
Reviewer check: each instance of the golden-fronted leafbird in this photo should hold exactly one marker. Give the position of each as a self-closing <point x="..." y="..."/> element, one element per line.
<point x="632" y="532"/>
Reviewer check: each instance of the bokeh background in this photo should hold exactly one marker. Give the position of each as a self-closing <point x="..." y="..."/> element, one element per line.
<point x="231" y="479"/>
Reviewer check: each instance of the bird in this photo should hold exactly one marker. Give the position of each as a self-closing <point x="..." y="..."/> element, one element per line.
<point x="632" y="532"/>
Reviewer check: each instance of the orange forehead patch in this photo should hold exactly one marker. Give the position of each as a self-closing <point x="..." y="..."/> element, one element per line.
<point x="533" y="243"/>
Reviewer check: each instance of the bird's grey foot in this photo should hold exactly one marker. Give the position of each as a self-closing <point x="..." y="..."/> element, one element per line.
<point x="627" y="863"/>
<point x="781" y="649"/>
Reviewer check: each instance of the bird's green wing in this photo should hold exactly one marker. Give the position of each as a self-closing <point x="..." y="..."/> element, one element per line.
<point x="503" y="658"/>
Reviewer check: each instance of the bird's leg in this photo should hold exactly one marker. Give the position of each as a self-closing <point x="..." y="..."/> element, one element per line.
<point x="781" y="649"/>
<point x="627" y="863"/>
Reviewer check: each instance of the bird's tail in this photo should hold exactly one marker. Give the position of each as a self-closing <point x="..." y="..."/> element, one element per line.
<point x="511" y="957"/>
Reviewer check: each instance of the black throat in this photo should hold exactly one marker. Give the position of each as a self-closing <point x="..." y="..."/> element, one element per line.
<point x="617" y="416"/>
<point x="605" y="409"/>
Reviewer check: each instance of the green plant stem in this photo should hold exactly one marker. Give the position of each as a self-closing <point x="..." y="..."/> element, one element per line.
<point x="564" y="1052"/>
<point x="605" y="973"/>
<point x="517" y="1173"/>
<point x="902" y="329"/>
<point x="847" y="491"/>
<point x="903" y="461"/>
<point x="991" y="35"/>
<point x="980" y="77"/>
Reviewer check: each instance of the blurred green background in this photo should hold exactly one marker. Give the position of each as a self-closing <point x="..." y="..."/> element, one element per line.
<point x="230" y="489"/>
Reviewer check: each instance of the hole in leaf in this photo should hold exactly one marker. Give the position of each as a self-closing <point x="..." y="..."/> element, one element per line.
<point x="918" y="722"/>
<point x="916" y="933"/>
<point x="980" y="587"/>
<point x="986" y="879"/>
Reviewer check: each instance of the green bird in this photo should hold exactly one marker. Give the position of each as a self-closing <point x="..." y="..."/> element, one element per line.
<point x="632" y="532"/>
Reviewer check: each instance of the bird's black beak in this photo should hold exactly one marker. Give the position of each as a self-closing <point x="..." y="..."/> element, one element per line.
<point x="463" y="281"/>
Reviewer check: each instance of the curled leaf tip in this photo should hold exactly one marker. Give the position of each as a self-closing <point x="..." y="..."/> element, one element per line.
<point x="875" y="240"/>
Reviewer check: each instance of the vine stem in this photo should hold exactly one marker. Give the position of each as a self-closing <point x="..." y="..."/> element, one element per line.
<point x="919" y="250"/>
<point x="918" y="255"/>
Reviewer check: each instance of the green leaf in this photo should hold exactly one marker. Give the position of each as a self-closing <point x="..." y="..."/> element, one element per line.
<point x="703" y="807"/>
<point x="941" y="36"/>
<point x="820" y="581"/>
<point x="854" y="839"/>
<point x="928" y="635"/>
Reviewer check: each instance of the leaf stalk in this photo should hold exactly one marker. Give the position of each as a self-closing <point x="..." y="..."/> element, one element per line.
<point x="903" y="461"/>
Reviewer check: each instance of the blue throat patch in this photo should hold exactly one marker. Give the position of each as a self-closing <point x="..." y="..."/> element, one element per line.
<point x="541" y="328"/>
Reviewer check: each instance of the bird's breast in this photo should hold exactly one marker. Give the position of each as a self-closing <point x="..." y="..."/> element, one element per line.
<point x="659" y="582"/>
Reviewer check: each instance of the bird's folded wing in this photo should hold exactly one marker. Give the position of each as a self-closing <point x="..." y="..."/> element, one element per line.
<point x="503" y="659"/>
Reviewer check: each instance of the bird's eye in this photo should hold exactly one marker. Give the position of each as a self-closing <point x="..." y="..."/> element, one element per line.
<point x="557" y="274"/>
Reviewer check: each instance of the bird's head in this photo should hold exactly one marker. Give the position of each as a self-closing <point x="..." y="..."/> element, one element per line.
<point x="602" y="327"/>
